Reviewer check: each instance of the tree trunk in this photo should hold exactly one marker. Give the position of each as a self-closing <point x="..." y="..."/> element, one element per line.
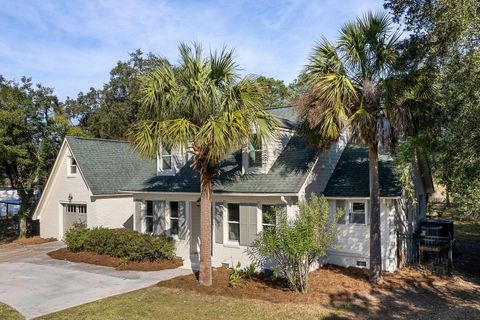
<point x="22" y="228"/>
<point x="205" y="272"/>
<point x="24" y="212"/>
<point x="375" y="236"/>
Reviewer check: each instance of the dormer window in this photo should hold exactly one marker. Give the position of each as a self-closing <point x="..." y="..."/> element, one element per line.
<point x="165" y="159"/>
<point x="72" y="166"/>
<point x="255" y="153"/>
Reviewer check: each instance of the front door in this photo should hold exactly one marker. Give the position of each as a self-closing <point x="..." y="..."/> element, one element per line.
<point x="195" y="228"/>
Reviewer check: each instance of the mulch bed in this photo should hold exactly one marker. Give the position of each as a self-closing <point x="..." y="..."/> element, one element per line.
<point x="33" y="240"/>
<point x="329" y="285"/>
<point x="109" y="261"/>
<point x="13" y="242"/>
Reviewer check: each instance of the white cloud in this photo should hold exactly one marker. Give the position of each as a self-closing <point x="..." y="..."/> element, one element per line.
<point x="73" y="45"/>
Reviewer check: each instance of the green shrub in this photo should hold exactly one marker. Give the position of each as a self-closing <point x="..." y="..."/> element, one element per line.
<point x="294" y="245"/>
<point x="76" y="238"/>
<point x="122" y="243"/>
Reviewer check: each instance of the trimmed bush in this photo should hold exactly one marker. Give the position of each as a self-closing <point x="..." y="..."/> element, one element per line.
<point x="121" y="243"/>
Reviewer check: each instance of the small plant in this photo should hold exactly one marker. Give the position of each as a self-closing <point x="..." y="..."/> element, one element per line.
<point x="123" y="262"/>
<point x="235" y="274"/>
<point x="249" y="271"/>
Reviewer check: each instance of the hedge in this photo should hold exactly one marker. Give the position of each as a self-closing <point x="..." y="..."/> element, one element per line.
<point x="120" y="243"/>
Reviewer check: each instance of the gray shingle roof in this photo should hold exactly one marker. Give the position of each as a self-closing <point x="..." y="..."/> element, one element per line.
<point x="108" y="165"/>
<point x="351" y="175"/>
<point x="287" y="115"/>
<point x="111" y="166"/>
<point x="287" y="175"/>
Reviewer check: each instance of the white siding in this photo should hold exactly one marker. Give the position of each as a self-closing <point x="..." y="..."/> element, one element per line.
<point x="353" y="240"/>
<point x="115" y="212"/>
<point x="270" y="152"/>
<point x="57" y="192"/>
<point x="223" y="253"/>
<point x="179" y="158"/>
<point x="323" y="168"/>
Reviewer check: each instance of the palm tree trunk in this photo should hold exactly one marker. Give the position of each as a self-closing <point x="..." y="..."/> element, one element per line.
<point x="205" y="272"/>
<point x="375" y="236"/>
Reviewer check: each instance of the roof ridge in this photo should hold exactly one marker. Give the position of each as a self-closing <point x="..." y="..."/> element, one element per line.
<point x="96" y="139"/>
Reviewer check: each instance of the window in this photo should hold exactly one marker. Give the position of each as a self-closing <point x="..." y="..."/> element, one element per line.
<point x="233" y="222"/>
<point x="75" y="208"/>
<point x="358" y="213"/>
<point x="72" y="166"/>
<point x="149" y="217"/>
<point x="269" y="216"/>
<point x="165" y="159"/>
<point x="174" y="218"/>
<point x="255" y="153"/>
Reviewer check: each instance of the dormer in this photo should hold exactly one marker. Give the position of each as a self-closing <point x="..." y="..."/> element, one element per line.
<point x="170" y="161"/>
<point x="259" y="155"/>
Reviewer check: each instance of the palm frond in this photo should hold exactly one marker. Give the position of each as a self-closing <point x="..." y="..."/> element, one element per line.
<point x="223" y="68"/>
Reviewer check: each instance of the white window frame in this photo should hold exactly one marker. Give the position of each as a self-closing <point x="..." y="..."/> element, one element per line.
<point x="149" y="215"/>
<point x="261" y="215"/>
<point x="72" y="163"/>
<point x="177" y="218"/>
<point x="228" y="222"/>
<point x="350" y="212"/>
<point x="75" y="208"/>
<point x="255" y="151"/>
<point x="160" y="160"/>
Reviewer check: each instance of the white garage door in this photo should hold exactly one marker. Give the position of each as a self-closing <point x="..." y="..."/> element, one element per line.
<point x="74" y="215"/>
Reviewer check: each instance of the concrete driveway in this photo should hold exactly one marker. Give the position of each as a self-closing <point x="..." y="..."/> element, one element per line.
<point x="35" y="285"/>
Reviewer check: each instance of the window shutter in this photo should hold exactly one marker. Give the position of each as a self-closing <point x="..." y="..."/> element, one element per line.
<point x="182" y="221"/>
<point x="248" y="223"/>
<point x="159" y="226"/>
<point x="218" y="222"/>
<point x="340" y="204"/>
<point x="137" y="220"/>
<point x="252" y="225"/>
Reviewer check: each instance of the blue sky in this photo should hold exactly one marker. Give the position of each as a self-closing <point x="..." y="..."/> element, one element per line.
<point x="72" y="45"/>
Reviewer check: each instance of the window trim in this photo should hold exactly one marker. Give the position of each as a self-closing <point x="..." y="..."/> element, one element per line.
<point x="350" y="212"/>
<point x="149" y="215"/>
<point x="228" y="241"/>
<point x="72" y="163"/>
<point x="170" y="218"/>
<point x="160" y="160"/>
<point x="77" y="208"/>
<point x="251" y="149"/>
<point x="276" y="216"/>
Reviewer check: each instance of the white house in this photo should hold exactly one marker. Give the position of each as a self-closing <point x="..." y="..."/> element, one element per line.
<point x="105" y="183"/>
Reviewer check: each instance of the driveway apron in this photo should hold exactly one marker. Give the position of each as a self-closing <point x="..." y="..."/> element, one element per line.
<point x="35" y="284"/>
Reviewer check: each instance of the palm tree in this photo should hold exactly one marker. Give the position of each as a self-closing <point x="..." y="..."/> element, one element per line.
<point x="204" y="106"/>
<point x="351" y="87"/>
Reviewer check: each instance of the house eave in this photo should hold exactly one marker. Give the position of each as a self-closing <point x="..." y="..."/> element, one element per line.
<point x="235" y="194"/>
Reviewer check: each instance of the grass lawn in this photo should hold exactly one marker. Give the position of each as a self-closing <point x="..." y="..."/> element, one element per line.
<point x="467" y="231"/>
<point x="167" y="303"/>
<point x="8" y="313"/>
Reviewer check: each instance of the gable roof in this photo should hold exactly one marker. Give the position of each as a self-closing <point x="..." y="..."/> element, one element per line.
<point x="107" y="165"/>
<point x="287" y="175"/>
<point x="112" y="167"/>
<point x="351" y="175"/>
<point x="287" y="115"/>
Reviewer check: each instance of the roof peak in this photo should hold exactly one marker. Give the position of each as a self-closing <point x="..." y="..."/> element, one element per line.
<point x="96" y="139"/>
